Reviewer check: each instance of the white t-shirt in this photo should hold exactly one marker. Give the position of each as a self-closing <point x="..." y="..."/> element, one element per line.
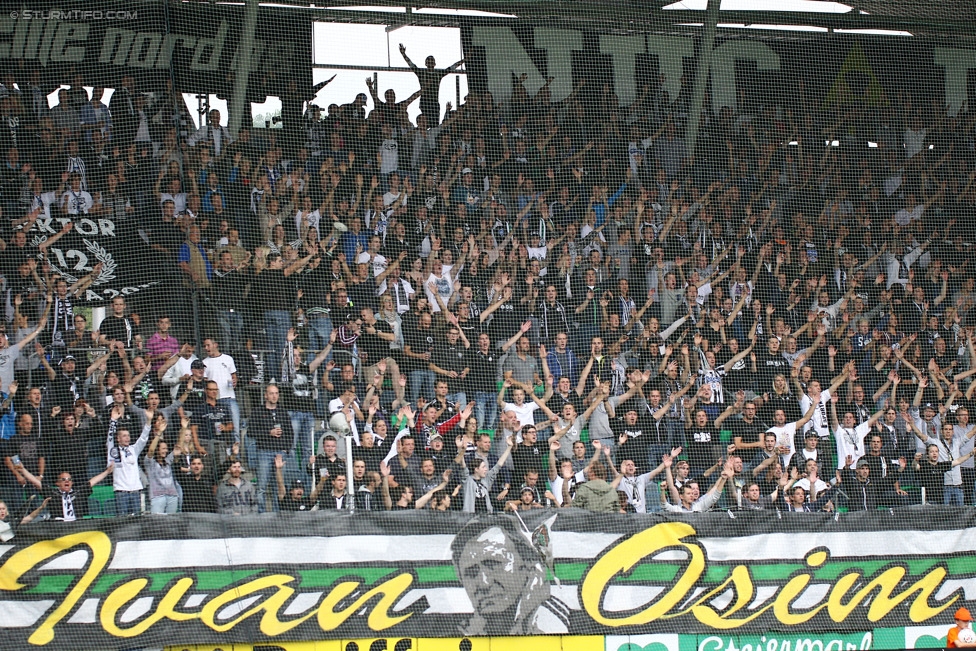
<point x="312" y="217"/>
<point x="635" y="488"/>
<point x="523" y="413"/>
<point x="379" y="263"/>
<point x="819" y="421"/>
<point x="445" y="287"/>
<point x="76" y="203"/>
<point x="220" y="369"/>
<point x="336" y="405"/>
<point x="703" y="293"/>
<point x="804" y="483"/>
<point x="785" y="437"/>
<point x="850" y="441"/>
<point x="557" y="486"/>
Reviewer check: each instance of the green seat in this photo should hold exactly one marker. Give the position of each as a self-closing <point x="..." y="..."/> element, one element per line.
<point x="101" y="502"/>
<point x="585" y="436"/>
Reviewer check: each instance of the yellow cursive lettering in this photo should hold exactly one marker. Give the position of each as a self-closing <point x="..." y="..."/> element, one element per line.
<point x="883" y="603"/>
<point x="379" y="617"/>
<point x="622" y="559"/>
<point x="29" y="558"/>
<point x="165" y="609"/>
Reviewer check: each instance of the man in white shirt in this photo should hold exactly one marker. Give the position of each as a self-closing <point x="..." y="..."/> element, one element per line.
<point x="786" y="432"/>
<point x="850" y="438"/>
<point x="212" y="133"/>
<point x="399" y="289"/>
<point x="76" y="201"/>
<point x="222" y="370"/>
<point x="635" y="486"/>
<point x="523" y="410"/>
<point x="820" y="399"/>
<point x="126" y="479"/>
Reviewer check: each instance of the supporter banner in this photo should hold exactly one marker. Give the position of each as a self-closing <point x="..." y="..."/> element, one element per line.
<point x="197" y="579"/>
<point x="199" y="43"/>
<point x="111" y="248"/>
<point x="841" y="68"/>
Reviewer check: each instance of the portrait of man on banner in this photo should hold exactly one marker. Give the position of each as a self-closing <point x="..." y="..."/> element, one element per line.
<point x="504" y="575"/>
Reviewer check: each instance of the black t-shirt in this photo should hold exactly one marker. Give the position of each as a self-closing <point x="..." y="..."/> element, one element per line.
<point x="640" y="436"/>
<point x="420" y="341"/>
<point x="206" y="417"/>
<point x="767" y="367"/>
<point x="289" y="504"/>
<point x="198" y="494"/>
<point x="748" y="432"/>
<point x="932" y="479"/>
<point x="116" y="328"/>
<point x="703" y="446"/>
<point x="64" y="390"/>
<point x="363" y="294"/>
<point x="527" y="457"/>
<point x="450" y="358"/>
<point x="504" y="321"/>
<point x="484" y="371"/>
<point x="375" y="347"/>
<point x="301" y="395"/>
<point x="28" y="448"/>
<point x="271" y="290"/>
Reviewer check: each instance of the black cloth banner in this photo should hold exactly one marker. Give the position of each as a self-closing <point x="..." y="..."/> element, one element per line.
<point x="199" y="44"/>
<point x="197" y="579"/>
<point x="834" y="70"/>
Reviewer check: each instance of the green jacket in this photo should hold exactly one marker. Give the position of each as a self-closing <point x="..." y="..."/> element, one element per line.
<point x="597" y="495"/>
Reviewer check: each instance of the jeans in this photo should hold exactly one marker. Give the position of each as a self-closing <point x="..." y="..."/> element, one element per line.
<point x="486" y="409"/>
<point x="266" y="459"/>
<point x="276" y="324"/>
<point x="303" y="425"/>
<point x="953" y="496"/>
<point x="459" y="397"/>
<point x="231" y="329"/>
<point x="319" y="331"/>
<point x="421" y="384"/>
<point x="164" y="504"/>
<point x="128" y="503"/>
<point x="231" y="405"/>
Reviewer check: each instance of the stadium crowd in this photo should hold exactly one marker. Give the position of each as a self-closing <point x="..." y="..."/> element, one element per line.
<point x="513" y="306"/>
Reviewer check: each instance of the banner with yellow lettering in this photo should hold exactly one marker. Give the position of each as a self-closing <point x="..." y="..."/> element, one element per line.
<point x="199" y="579"/>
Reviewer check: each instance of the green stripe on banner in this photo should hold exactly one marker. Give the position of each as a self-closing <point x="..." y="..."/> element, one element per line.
<point x="220" y="579"/>
<point x="663" y="573"/>
<point x="52" y="584"/>
<point x="325" y="578"/>
<point x="437" y="574"/>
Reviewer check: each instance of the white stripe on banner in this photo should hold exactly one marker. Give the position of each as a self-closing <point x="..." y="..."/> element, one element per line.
<point x="160" y="554"/>
<point x="848" y="544"/>
<point x="17" y="614"/>
<point x="230" y="552"/>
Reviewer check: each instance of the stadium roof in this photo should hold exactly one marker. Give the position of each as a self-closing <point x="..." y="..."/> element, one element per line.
<point x="934" y="18"/>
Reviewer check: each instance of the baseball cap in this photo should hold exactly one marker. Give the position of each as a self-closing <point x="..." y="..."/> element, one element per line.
<point x="963" y="615"/>
<point x="861" y="463"/>
<point x="197" y="363"/>
<point x="297" y="483"/>
<point x="812" y="434"/>
<point x="67" y="358"/>
<point x="436" y="436"/>
<point x="928" y="405"/>
<point x="466" y="170"/>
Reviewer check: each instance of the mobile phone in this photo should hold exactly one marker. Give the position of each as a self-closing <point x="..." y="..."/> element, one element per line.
<point x="15" y="460"/>
<point x="323" y="472"/>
